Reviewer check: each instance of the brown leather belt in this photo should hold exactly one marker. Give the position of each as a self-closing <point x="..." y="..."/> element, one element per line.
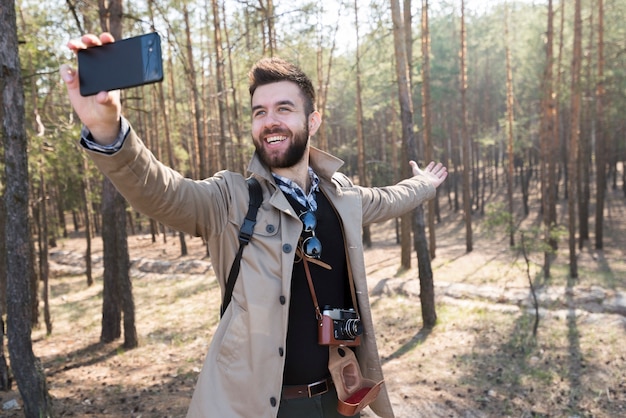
<point x="307" y="391"/>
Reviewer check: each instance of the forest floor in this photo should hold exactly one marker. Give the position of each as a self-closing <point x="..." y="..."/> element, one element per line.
<point x="481" y="359"/>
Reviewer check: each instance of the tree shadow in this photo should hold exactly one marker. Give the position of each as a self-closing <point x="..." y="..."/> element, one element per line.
<point x="163" y="396"/>
<point x="575" y="355"/>
<point x="516" y="365"/>
<point x="87" y="356"/>
<point x="409" y="346"/>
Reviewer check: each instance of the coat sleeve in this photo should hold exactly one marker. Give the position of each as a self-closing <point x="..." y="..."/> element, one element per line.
<point x="197" y="207"/>
<point x="383" y="203"/>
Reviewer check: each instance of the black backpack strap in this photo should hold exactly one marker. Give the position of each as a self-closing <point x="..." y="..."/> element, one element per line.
<point x="245" y="234"/>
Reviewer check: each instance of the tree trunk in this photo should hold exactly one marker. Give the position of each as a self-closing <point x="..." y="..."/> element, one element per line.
<point x="575" y="132"/>
<point x="584" y="144"/>
<point x="200" y="142"/>
<point x="324" y="81"/>
<point x="267" y="10"/>
<point x="111" y="303"/>
<point x="234" y="118"/>
<point x="426" y="121"/>
<point x="553" y="167"/>
<point x="467" y="204"/>
<point x="429" y="316"/>
<point x="117" y="294"/>
<point x="600" y="134"/>
<point x="86" y="193"/>
<point x="406" y="119"/>
<point x="220" y="81"/>
<point x="360" y="140"/>
<point x="17" y="235"/>
<point x="509" y="114"/>
<point x="43" y="248"/>
<point x="546" y="138"/>
<point x="5" y="379"/>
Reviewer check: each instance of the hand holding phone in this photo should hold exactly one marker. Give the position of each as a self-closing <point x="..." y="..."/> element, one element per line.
<point x="123" y="64"/>
<point x="100" y="113"/>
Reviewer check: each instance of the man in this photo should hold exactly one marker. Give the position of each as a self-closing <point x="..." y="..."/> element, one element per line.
<point x="264" y="359"/>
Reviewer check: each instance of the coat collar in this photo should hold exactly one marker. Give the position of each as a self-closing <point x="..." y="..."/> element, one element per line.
<point x="323" y="163"/>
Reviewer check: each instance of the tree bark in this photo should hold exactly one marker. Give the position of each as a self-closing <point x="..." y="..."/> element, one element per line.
<point x="426" y="122"/>
<point x="43" y="247"/>
<point x="467" y="203"/>
<point x="546" y="138"/>
<point x="117" y="293"/>
<point x="86" y="195"/>
<point x="360" y="140"/>
<point x="324" y="81"/>
<point x="600" y="134"/>
<point x="199" y="144"/>
<point x="220" y="81"/>
<point x="5" y="382"/>
<point x="19" y="259"/>
<point x="509" y="114"/>
<point x="574" y="136"/>
<point x="429" y="315"/>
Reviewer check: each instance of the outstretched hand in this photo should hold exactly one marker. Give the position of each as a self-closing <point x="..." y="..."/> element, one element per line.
<point x="100" y="113"/>
<point x="436" y="173"/>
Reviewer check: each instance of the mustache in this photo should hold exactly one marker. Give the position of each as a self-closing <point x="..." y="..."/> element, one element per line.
<point x="275" y="131"/>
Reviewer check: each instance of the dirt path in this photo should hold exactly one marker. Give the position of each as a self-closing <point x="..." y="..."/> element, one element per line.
<point x="480" y="360"/>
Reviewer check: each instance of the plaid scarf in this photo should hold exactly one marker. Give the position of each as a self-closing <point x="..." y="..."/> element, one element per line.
<point x="292" y="189"/>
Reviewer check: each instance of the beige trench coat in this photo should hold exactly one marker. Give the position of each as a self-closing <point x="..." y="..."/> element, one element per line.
<point x="242" y="373"/>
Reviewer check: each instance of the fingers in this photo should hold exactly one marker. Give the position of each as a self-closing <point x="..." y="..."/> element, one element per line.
<point x="69" y="75"/>
<point x="437" y="172"/>
<point x="89" y="40"/>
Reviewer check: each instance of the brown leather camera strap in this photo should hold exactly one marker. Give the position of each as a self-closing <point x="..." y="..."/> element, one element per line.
<point x="318" y="313"/>
<point x="307" y="271"/>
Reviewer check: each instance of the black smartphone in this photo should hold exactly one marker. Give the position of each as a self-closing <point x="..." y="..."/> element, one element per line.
<point x="122" y="64"/>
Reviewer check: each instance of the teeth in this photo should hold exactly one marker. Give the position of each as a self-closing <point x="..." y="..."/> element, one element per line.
<point x="275" y="139"/>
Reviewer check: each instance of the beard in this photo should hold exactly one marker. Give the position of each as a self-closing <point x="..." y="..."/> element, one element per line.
<point x="289" y="158"/>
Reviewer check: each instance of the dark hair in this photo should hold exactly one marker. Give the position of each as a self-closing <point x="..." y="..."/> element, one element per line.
<point x="274" y="69"/>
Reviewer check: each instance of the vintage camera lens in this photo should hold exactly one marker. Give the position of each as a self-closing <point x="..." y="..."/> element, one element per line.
<point x="352" y="328"/>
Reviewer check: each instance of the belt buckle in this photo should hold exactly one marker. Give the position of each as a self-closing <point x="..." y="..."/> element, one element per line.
<point x="317" y="388"/>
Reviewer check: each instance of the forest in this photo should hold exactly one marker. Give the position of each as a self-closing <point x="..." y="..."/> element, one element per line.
<point x="519" y="99"/>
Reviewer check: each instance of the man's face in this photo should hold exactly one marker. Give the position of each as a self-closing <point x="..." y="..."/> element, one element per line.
<point x="280" y="130"/>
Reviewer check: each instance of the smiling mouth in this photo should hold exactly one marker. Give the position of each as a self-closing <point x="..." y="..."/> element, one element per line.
<point x="275" y="139"/>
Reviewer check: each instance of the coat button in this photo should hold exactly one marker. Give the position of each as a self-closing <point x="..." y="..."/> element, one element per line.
<point x="273" y="401"/>
<point x="270" y="229"/>
<point x="282" y="299"/>
<point x="287" y="248"/>
<point x="281" y="351"/>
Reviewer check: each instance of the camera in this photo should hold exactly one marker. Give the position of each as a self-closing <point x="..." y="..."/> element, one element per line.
<point x="339" y="327"/>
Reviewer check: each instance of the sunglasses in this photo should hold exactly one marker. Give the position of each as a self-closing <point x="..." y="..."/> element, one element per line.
<point x="311" y="246"/>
